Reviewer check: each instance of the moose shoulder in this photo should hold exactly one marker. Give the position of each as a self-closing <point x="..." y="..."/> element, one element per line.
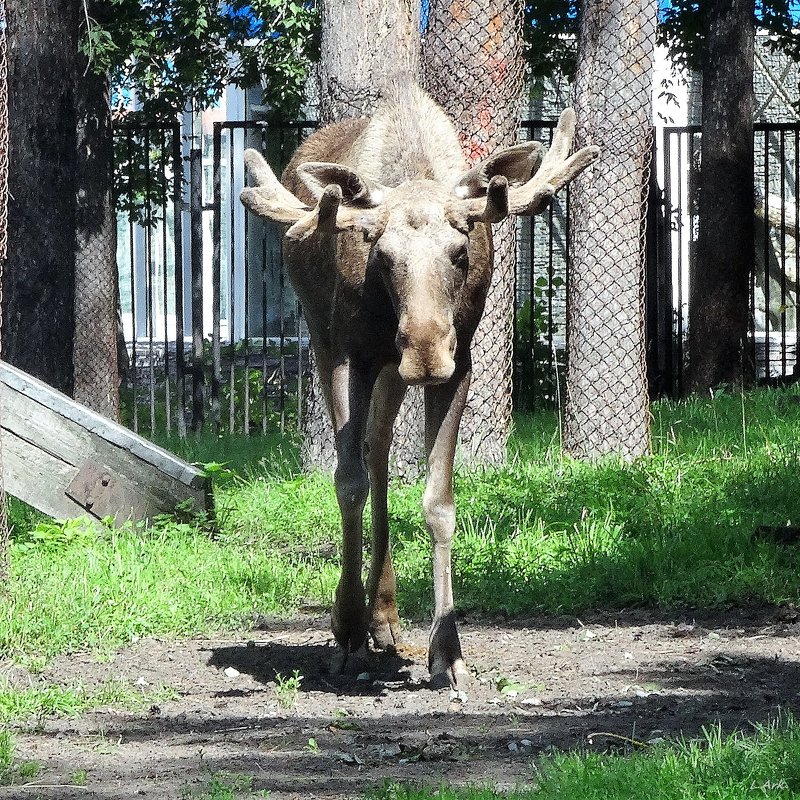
<point x="389" y="250"/>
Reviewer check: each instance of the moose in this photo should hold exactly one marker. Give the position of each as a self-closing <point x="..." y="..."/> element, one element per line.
<point x="389" y="250"/>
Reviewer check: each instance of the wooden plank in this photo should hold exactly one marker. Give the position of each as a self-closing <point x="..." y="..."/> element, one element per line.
<point x="37" y="477"/>
<point x="111" y="432"/>
<point x="93" y="465"/>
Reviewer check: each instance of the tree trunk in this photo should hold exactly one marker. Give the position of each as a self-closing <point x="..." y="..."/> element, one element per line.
<point x="363" y="44"/>
<point x="719" y="295"/>
<point x="39" y="276"/>
<point x="607" y="405"/>
<point x="95" y="349"/>
<point x="473" y="67"/>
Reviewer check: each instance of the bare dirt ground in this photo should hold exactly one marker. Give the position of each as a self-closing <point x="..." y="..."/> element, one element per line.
<point x="556" y="682"/>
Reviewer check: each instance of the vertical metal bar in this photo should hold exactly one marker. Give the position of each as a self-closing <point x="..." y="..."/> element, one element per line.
<point x="264" y="283"/>
<point x="150" y="277"/>
<point x="282" y="320"/>
<point x="528" y="357"/>
<point x="782" y="135"/>
<point x="752" y="326"/>
<point x="245" y="312"/>
<point x="666" y="253"/>
<point x="665" y="320"/>
<point x="299" y="315"/>
<point x="196" y="204"/>
<point x="177" y="213"/>
<point x="164" y="295"/>
<point x="552" y="361"/>
<point x="216" y="276"/>
<point x="231" y="287"/>
<point x="796" y="370"/>
<point x="131" y="242"/>
<point x="680" y="224"/>
<point x="766" y="260"/>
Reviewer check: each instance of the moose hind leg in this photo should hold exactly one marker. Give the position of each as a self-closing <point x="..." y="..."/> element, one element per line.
<point x="349" y="614"/>
<point x="384" y="621"/>
<point x="443" y="407"/>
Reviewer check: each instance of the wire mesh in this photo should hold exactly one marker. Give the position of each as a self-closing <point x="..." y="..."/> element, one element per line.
<point x="96" y="373"/>
<point x="4" y="534"/>
<point x="472" y="64"/>
<point x="607" y="402"/>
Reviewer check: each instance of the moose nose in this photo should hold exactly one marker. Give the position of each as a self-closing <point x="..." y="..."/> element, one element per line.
<point x="426" y="359"/>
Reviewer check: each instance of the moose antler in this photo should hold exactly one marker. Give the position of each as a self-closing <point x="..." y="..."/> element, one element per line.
<point x="532" y="197"/>
<point x="271" y="200"/>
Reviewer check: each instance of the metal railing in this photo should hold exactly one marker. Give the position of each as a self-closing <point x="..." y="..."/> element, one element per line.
<point x="214" y="335"/>
<point x="775" y="334"/>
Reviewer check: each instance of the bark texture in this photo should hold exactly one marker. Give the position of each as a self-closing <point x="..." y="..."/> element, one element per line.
<point x="473" y="67"/>
<point x="39" y="276"/>
<point x="719" y="294"/>
<point x="363" y="44"/>
<point x="607" y="405"/>
<point x="95" y="349"/>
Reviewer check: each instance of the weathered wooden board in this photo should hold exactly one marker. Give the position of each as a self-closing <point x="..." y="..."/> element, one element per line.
<point x="68" y="461"/>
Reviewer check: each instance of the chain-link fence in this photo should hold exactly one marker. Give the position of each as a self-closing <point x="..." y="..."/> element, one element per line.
<point x="96" y="373"/>
<point x="4" y="564"/>
<point x="607" y="403"/>
<point x="472" y="64"/>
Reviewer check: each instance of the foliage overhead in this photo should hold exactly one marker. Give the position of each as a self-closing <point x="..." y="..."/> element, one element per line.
<point x="552" y="25"/>
<point x="550" y="30"/>
<point x="172" y="53"/>
<point x="683" y="24"/>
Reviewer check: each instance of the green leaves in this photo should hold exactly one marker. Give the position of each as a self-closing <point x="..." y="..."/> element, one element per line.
<point x="172" y="53"/>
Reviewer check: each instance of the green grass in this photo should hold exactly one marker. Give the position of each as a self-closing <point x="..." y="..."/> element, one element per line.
<point x="224" y="786"/>
<point x="544" y="534"/>
<point x="119" y="586"/>
<point x="13" y="771"/>
<point x="737" y="766"/>
<point x="20" y="704"/>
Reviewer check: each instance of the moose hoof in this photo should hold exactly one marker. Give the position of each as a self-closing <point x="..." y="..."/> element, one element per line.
<point x="449" y="676"/>
<point x="345" y="662"/>
<point x="385" y="631"/>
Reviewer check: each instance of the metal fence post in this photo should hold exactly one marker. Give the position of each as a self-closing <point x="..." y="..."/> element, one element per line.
<point x="196" y="209"/>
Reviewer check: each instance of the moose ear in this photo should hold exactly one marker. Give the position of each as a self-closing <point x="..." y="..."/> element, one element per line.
<point x="517" y="164"/>
<point x="356" y="190"/>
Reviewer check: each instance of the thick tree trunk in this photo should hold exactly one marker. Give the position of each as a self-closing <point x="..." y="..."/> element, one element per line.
<point x="607" y="405"/>
<point x="719" y="294"/>
<point x="363" y="44"/>
<point x="95" y="348"/>
<point x="39" y="276"/>
<point x="473" y="67"/>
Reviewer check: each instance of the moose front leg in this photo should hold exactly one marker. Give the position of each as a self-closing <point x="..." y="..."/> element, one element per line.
<point x="384" y="625"/>
<point x="443" y="408"/>
<point x="350" y="390"/>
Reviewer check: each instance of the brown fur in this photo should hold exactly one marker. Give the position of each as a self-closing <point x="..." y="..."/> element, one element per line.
<point x="392" y="268"/>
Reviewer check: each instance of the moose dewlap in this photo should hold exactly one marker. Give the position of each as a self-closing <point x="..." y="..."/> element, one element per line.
<point x="389" y="250"/>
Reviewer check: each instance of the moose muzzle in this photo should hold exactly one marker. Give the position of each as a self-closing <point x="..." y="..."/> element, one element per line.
<point x="427" y="351"/>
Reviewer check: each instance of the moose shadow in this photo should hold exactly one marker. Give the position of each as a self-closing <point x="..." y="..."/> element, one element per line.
<point x="275" y="661"/>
